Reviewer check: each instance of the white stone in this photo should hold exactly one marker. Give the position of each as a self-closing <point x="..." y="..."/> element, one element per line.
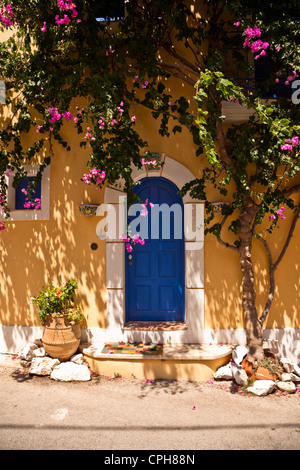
<point x="297" y="369"/>
<point x="78" y="358"/>
<point x="262" y="387"/>
<point x="285" y="377"/>
<point x="238" y="354"/>
<point x="239" y="374"/>
<point x="40" y="352"/>
<point x="224" y="373"/>
<point x="287" y="365"/>
<point x="288" y="387"/>
<point x="68" y="371"/>
<point x="26" y="353"/>
<point x="42" y="365"/>
<point x="295" y="377"/>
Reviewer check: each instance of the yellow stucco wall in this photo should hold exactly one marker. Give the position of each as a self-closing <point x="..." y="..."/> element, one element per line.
<point x="34" y="253"/>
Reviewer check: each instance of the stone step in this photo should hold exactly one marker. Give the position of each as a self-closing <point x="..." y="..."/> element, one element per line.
<point x="196" y="362"/>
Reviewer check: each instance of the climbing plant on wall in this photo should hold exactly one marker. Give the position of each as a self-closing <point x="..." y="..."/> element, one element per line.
<point x="63" y="64"/>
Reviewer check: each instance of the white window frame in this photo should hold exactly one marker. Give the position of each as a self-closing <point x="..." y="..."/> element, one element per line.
<point x="29" y="214"/>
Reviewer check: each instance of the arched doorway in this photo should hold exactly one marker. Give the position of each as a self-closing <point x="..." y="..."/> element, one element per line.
<point x="154" y="272"/>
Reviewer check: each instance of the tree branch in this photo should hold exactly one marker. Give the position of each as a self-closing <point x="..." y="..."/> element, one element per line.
<point x="274" y="266"/>
<point x="176" y="72"/>
<point x="289" y="191"/>
<point x="178" y="66"/>
<point x="172" y="51"/>
<point x="228" y="245"/>
<point x="271" y="282"/>
<point x="289" y="237"/>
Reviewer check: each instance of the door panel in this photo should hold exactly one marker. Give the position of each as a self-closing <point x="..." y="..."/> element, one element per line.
<point x="155" y="272"/>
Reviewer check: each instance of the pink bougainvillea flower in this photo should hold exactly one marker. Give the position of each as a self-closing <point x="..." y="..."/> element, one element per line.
<point x="135" y="237"/>
<point x="6" y="15"/>
<point x="125" y="238"/>
<point x="44" y="28"/>
<point x="128" y="247"/>
<point x="55" y="115"/>
<point x="286" y="147"/>
<point x="67" y="115"/>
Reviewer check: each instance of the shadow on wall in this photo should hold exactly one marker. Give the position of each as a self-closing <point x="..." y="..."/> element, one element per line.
<point x="223" y="308"/>
<point x="223" y="283"/>
<point x="36" y="253"/>
<point x="284" y="312"/>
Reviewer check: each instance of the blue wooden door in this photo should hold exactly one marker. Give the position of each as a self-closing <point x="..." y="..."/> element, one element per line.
<point x="154" y="272"/>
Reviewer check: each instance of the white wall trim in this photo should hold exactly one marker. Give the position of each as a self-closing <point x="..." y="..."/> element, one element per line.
<point x="284" y="342"/>
<point x="14" y="338"/>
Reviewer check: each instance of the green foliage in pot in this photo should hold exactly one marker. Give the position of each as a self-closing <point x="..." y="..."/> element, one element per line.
<point x="58" y="301"/>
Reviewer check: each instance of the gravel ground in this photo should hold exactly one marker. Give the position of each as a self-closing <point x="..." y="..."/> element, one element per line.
<point x="109" y="413"/>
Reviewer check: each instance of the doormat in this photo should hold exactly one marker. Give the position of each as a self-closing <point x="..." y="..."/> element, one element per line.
<point x="132" y="348"/>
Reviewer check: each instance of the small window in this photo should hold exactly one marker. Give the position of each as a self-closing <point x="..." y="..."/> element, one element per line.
<point x="16" y="197"/>
<point x="22" y="202"/>
<point x="113" y="10"/>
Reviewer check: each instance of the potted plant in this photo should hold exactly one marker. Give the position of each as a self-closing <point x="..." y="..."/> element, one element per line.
<point x="60" y="318"/>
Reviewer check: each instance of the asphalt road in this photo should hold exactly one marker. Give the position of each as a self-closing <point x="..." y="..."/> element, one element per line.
<point x="37" y="413"/>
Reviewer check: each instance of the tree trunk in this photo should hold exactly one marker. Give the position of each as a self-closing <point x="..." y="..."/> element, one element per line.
<point x="253" y="327"/>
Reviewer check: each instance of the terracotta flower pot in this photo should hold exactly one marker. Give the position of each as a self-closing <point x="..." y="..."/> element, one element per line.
<point x="61" y="337"/>
<point x="247" y="366"/>
<point x="262" y="373"/>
